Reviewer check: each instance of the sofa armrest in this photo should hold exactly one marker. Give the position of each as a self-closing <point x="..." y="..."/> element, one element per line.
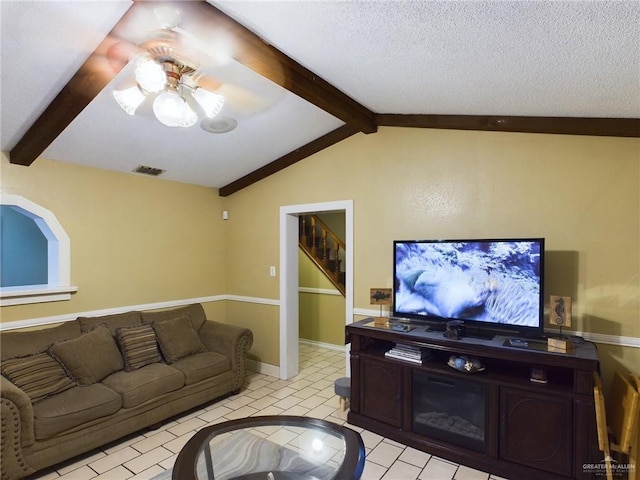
<point x="17" y="429"/>
<point x="231" y="341"/>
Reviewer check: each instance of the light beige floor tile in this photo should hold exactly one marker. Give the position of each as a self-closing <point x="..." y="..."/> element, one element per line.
<point x="239" y="402"/>
<point x="300" y="384"/>
<point x="278" y="384"/>
<point x="119" y="473"/>
<point x="467" y="473"/>
<point x="148" y="459"/>
<point x="415" y="457"/>
<point x="263" y="402"/>
<point x="259" y="393"/>
<point x="258" y="383"/>
<point x="288" y="402"/>
<point x="370" y="439"/>
<point x="402" y="471"/>
<point x="148" y="473"/>
<point x="321" y="411"/>
<point x="176" y="444"/>
<point x="311" y="401"/>
<point x="271" y="410"/>
<point x="384" y="454"/>
<point x="168" y="462"/>
<point x="305" y="392"/>
<point x="283" y="392"/>
<point x="296" y="410"/>
<point x="76" y="463"/>
<point x="154" y="441"/>
<point x="241" y="413"/>
<point x="372" y="471"/>
<point x="213" y="414"/>
<point x="437" y="469"/>
<point x="190" y="425"/>
<point x="109" y="462"/>
<point x="82" y="473"/>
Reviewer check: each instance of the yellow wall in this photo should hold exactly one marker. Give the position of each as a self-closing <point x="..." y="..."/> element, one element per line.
<point x="580" y="193"/>
<point x="321" y="315"/>
<point x="134" y="240"/>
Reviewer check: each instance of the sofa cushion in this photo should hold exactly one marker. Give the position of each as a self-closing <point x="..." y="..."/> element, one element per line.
<point x="73" y="407"/>
<point x="202" y="365"/>
<point x="195" y="311"/>
<point x="19" y="344"/>
<point x="138" y="345"/>
<point x="177" y="338"/>
<point x="145" y="383"/>
<point x="114" y="321"/>
<point x="39" y="375"/>
<point x="90" y="357"/>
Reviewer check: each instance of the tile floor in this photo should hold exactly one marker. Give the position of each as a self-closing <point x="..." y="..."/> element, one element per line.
<point x="148" y="453"/>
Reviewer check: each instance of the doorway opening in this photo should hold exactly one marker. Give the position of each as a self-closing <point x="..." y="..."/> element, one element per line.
<point x="289" y="313"/>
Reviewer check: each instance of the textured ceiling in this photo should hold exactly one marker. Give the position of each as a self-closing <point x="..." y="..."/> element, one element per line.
<point x="517" y="58"/>
<point x="532" y="58"/>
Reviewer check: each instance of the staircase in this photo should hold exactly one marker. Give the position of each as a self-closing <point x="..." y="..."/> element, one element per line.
<point x="324" y="249"/>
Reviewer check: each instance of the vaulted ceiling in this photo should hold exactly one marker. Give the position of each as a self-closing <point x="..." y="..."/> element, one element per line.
<point x="299" y="76"/>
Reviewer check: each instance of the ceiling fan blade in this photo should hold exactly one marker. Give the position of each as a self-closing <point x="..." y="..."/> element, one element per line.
<point x="242" y="102"/>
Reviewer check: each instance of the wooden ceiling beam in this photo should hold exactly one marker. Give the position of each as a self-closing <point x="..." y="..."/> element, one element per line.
<point x="289" y="159"/>
<point x="606" y="127"/>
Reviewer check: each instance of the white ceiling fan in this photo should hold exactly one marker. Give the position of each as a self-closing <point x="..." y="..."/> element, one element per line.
<point x="167" y="69"/>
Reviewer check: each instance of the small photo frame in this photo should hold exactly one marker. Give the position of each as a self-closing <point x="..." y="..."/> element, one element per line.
<point x="380" y="296"/>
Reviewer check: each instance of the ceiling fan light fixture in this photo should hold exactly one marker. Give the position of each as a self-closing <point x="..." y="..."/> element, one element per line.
<point x="171" y="110"/>
<point x="150" y="75"/>
<point x="129" y="99"/>
<point x="210" y="102"/>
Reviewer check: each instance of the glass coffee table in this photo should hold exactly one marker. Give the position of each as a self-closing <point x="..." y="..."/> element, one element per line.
<point x="272" y="448"/>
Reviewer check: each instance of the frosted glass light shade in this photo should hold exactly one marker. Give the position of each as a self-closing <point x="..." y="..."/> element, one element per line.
<point x="210" y="102"/>
<point x="171" y="110"/>
<point x="150" y="75"/>
<point x="129" y="99"/>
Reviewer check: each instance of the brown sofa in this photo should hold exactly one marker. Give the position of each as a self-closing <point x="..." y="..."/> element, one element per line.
<point x="68" y="389"/>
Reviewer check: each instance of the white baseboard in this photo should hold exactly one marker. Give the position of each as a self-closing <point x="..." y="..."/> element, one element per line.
<point x="263" y="368"/>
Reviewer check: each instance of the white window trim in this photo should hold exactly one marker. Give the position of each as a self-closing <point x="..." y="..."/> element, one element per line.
<point x="59" y="258"/>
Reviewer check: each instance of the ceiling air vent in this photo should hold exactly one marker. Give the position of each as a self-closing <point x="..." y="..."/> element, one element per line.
<point x="149" y="170"/>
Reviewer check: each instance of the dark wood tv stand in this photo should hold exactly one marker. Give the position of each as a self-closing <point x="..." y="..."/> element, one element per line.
<point x="531" y="430"/>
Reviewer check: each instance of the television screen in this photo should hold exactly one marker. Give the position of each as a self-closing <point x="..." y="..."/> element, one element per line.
<point x="485" y="283"/>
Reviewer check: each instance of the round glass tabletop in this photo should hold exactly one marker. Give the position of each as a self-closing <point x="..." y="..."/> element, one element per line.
<point x="272" y="448"/>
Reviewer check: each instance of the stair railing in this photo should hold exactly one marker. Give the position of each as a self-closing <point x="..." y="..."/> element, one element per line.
<point x="324" y="248"/>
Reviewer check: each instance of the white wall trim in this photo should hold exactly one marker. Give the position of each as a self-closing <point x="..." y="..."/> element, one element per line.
<point x="263" y="301"/>
<point x="319" y="291"/>
<point x="34" y="294"/>
<point x="328" y="346"/>
<point x="67" y="317"/>
<point x="618" y="340"/>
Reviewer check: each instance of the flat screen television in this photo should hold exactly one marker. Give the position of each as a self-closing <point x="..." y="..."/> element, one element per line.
<point x="494" y="286"/>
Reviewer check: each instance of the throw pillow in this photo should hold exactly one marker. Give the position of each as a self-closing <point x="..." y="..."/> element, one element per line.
<point x="138" y="345"/>
<point x="177" y="338"/>
<point x="39" y="375"/>
<point x="91" y="356"/>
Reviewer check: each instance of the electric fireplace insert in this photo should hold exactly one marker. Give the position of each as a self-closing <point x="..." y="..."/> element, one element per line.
<point x="449" y="409"/>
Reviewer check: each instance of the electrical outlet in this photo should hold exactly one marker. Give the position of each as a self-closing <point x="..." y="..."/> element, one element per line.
<point x="272" y="271"/>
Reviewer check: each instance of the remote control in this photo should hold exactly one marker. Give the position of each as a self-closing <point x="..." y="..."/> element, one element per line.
<point x="518" y="342"/>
